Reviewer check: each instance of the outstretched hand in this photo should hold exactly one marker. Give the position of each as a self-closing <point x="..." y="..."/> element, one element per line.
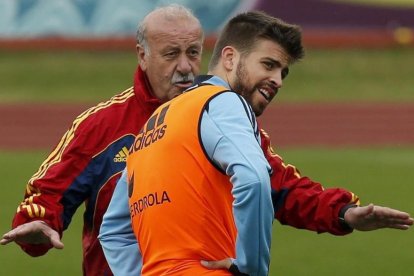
<point x="34" y="232"/>
<point x="374" y="217"/>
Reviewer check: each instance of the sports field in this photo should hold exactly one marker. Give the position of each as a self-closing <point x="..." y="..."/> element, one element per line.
<point x="323" y="76"/>
<point x="381" y="174"/>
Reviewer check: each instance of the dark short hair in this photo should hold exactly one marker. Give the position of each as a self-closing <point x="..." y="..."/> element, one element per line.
<point x="245" y="29"/>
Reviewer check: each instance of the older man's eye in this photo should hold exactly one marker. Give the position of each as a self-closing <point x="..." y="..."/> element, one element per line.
<point x="194" y="53"/>
<point x="170" y="54"/>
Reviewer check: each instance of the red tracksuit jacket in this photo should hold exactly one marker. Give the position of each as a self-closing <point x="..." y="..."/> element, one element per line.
<point x="87" y="162"/>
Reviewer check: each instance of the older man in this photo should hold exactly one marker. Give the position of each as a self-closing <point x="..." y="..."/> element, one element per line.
<point x="89" y="159"/>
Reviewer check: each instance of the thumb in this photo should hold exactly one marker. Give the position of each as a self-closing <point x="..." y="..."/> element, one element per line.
<point x="207" y="264"/>
<point x="55" y="240"/>
<point x="222" y="264"/>
<point x="367" y="210"/>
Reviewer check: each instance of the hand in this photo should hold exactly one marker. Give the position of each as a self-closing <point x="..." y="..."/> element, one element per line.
<point x="374" y="217"/>
<point x="222" y="264"/>
<point x="34" y="232"/>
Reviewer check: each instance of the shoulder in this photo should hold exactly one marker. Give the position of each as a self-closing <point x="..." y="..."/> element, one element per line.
<point x="104" y="123"/>
<point x="227" y="99"/>
<point x="230" y="104"/>
<point x="106" y="113"/>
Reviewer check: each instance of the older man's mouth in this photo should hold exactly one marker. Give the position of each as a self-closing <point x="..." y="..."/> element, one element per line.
<point x="183" y="84"/>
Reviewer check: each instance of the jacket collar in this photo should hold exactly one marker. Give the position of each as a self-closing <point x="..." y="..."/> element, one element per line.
<point x="143" y="91"/>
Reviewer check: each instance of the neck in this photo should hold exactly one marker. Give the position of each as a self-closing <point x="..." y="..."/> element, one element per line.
<point x="219" y="73"/>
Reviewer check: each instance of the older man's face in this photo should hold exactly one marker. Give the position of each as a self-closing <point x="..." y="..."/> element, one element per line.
<point x="174" y="56"/>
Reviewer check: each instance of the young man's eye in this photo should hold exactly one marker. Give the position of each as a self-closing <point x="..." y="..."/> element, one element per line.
<point x="285" y="72"/>
<point x="269" y="65"/>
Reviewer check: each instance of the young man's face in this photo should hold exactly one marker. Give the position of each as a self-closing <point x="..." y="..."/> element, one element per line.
<point x="174" y="56"/>
<point x="259" y="74"/>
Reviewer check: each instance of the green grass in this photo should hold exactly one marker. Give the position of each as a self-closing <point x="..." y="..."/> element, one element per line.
<point x="381" y="175"/>
<point x="64" y="76"/>
<point x="69" y="76"/>
<point x="323" y="76"/>
<point x="352" y="76"/>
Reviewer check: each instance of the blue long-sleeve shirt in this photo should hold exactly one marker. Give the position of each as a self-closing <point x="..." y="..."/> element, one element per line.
<point x="231" y="139"/>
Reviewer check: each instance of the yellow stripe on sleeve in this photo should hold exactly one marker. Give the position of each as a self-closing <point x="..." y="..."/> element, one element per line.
<point x="56" y="155"/>
<point x="36" y="210"/>
<point x="42" y="211"/>
<point x="29" y="210"/>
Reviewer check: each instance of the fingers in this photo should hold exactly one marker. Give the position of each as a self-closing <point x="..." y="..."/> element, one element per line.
<point x="7" y="238"/>
<point x="222" y="264"/>
<point x="400" y="226"/>
<point x="390" y="213"/>
<point x="13" y="234"/>
<point x="50" y="235"/>
<point x="55" y="240"/>
<point x="392" y="218"/>
<point x="395" y="222"/>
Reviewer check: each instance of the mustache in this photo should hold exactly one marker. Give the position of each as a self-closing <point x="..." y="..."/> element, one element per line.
<point x="178" y="77"/>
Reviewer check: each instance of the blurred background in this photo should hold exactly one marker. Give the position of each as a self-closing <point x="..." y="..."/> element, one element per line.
<point x="345" y="116"/>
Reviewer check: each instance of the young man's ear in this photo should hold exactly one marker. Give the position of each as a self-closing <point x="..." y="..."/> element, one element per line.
<point x="229" y="57"/>
<point x="141" y="57"/>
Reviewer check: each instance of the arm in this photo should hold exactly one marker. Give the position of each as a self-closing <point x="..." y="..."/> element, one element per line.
<point x="43" y="194"/>
<point x="116" y="236"/>
<point x="301" y="202"/>
<point x="228" y="135"/>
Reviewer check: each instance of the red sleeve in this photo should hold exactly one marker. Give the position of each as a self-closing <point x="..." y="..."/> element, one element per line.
<point x="47" y="186"/>
<point x="302" y="203"/>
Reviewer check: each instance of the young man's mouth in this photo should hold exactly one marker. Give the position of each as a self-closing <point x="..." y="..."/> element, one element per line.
<point x="267" y="93"/>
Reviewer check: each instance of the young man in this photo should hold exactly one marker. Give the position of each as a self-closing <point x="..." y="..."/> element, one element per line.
<point x="90" y="157"/>
<point x="198" y="182"/>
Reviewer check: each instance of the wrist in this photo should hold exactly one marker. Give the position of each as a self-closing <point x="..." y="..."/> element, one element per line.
<point x="341" y="217"/>
<point x="234" y="270"/>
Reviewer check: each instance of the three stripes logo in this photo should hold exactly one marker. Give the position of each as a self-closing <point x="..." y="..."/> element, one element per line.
<point x="122" y="155"/>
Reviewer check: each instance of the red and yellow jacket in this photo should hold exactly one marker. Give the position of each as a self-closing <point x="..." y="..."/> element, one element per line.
<point x="84" y="168"/>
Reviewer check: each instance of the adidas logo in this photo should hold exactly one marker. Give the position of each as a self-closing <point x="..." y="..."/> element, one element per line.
<point x="122" y="155"/>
